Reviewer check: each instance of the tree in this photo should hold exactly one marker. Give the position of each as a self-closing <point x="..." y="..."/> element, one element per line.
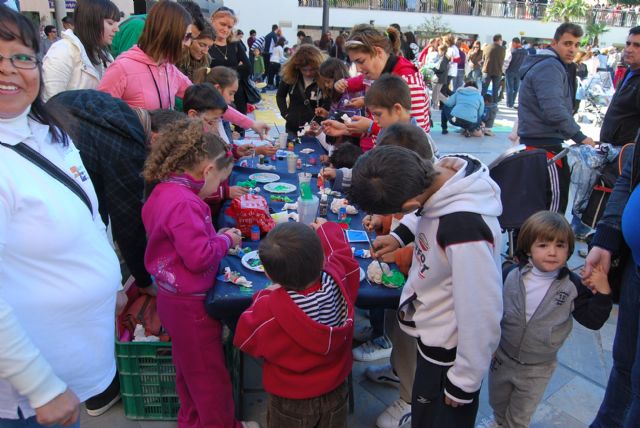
<point x="566" y="10"/>
<point x="434" y="27"/>
<point x="593" y="31"/>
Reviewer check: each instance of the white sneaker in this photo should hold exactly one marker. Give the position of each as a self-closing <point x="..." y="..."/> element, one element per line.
<point x="374" y="349"/>
<point x="382" y="373"/>
<point x="362" y="332"/>
<point x="397" y="415"/>
<point x="250" y="424"/>
<point x="488" y="422"/>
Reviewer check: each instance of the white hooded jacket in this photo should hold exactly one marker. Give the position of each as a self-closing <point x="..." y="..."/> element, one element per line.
<point x="452" y="301"/>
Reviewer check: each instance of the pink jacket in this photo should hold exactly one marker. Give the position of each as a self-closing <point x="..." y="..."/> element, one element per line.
<point x="183" y="248"/>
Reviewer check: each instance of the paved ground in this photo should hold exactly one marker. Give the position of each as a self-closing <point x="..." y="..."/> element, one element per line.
<point x="572" y="397"/>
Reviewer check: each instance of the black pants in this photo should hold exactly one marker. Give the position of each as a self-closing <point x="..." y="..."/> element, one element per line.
<point x="428" y="409"/>
<point x="273" y="79"/>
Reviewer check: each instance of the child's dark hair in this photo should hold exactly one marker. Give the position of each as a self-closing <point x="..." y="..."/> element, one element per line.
<point x="388" y="91"/>
<point x="219" y="75"/>
<point x="384" y="178"/>
<point x="334" y="69"/>
<point x="545" y="226"/>
<point x="471" y="83"/>
<point x="162" y="117"/>
<point x="183" y="145"/>
<point x="408" y="136"/>
<point x="488" y="99"/>
<point x="202" y="97"/>
<point x="345" y="155"/>
<point x="292" y="255"/>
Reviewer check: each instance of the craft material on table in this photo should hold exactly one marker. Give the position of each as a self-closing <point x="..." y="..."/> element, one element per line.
<point x="250" y="184"/>
<point x="235" y="278"/>
<point x="239" y="251"/>
<point x="280" y="187"/>
<point x="252" y="261"/>
<point x="354" y="236"/>
<point x="337" y="203"/>
<point x="280" y="198"/>
<point x="264" y="177"/>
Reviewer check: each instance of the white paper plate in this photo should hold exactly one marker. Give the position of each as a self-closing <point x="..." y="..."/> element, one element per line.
<point x="249" y="256"/>
<point x="280" y="187"/>
<point x="361" y="274"/>
<point x="264" y="177"/>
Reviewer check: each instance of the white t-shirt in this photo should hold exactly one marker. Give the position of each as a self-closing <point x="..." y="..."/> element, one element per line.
<point x="453" y="52"/>
<point x="277" y="55"/>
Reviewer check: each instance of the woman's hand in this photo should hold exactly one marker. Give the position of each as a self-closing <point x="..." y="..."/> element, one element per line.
<point x="237" y="191"/>
<point x="357" y="102"/>
<point x="261" y="128"/>
<point x="359" y="125"/>
<point x="341" y="85"/>
<point x="334" y="128"/>
<point x="319" y="111"/>
<point x="245" y="150"/>
<point x="62" y="410"/>
<point x="266" y="150"/>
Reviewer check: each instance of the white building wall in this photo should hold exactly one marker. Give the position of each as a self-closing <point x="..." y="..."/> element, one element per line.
<point x="261" y="14"/>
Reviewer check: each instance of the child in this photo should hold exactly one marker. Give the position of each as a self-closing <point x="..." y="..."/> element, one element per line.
<point x="345" y="156"/>
<point x="540" y="296"/>
<point x="489" y="115"/>
<point x="258" y="65"/>
<point x="332" y="70"/>
<point x="302" y="326"/>
<point x="457" y="255"/>
<point x="464" y="109"/>
<point x="183" y="253"/>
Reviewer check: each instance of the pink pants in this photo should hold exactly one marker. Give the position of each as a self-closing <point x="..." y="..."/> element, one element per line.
<point x="202" y="379"/>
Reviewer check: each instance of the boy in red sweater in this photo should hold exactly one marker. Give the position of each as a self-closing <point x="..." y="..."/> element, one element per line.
<point x="302" y="325"/>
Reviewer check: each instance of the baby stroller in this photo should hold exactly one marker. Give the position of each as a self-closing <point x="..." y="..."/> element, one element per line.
<point x="597" y="91"/>
<point x="525" y="178"/>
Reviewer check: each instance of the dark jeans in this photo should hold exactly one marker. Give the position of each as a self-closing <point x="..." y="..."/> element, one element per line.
<point x="428" y="409"/>
<point x="445" y="117"/>
<point x="513" y="84"/>
<point x="376" y="319"/>
<point x="620" y="407"/>
<point x="495" y="86"/>
<point x="326" y="411"/>
<point x="274" y="70"/>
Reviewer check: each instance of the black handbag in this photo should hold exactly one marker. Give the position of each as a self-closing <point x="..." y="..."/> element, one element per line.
<point x="253" y="95"/>
<point x="51" y="169"/>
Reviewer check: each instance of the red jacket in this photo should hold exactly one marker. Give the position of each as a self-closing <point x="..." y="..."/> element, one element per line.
<point x="303" y="358"/>
<point x="419" y="97"/>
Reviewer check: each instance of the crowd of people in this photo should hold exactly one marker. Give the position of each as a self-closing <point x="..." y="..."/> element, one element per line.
<point x="134" y="125"/>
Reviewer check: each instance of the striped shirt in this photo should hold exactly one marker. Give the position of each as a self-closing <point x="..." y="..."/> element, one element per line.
<point x="326" y="306"/>
<point x="419" y="100"/>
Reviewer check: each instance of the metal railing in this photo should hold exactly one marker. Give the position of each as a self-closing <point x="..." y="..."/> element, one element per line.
<point x="509" y="9"/>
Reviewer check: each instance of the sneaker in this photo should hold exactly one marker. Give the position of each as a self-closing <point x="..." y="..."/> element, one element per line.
<point x="362" y="332"/>
<point x="383" y="373"/>
<point x="250" y="424"/>
<point x="444" y="131"/>
<point x="102" y="402"/>
<point x="374" y="349"/>
<point x="397" y="415"/>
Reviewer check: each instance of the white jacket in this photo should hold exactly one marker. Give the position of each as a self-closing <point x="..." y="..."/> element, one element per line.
<point x="66" y="67"/>
<point x="452" y="301"/>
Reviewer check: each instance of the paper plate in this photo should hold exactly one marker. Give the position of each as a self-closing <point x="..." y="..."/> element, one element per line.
<point x="361" y="274"/>
<point x="280" y="187"/>
<point x="247" y="261"/>
<point x="264" y="177"/>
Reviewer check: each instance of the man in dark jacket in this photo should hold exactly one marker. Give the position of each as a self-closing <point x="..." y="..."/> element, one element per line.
<point x="269" y="43"/>
<point x="512" y="64"/>
<point x="493" y="60"/>
<point x="622" y="121"/>
<point x="545" y="110"/>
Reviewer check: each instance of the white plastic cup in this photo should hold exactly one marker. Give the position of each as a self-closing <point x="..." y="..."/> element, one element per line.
<point x="283" y="141"/>
<point x="307" y="209"/>
<point x="291" y="163"/>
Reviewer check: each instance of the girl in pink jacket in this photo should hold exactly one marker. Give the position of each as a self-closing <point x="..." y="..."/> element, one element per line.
<point x="183" y="253"/>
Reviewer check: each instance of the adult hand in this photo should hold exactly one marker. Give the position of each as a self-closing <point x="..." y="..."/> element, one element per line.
<point x="121" y="301"/>
<point x="340" y="86"/>
<point x="328" y="173"/>
<point x="357" y="102"/>
<point x="359" y="125"/>
<point x="382" y="245"/>
<point x="589" y="141"/>
<point x="245" y="150"/>
<point x="597" y="257"/>
<point x="261" y="128"/>
<point x="319" y="111"/>
<point x="334" y="128"/>
<point x="451" y="402"/>
<point x="266" y="150"/>
<point x="237" y="191"/>
<point x="62" y="410"/>
<point x="598" y="281"/>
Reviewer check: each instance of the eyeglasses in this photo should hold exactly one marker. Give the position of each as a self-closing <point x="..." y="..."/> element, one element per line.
<point x="187" y="37"/>
<point x="22" y="61"/>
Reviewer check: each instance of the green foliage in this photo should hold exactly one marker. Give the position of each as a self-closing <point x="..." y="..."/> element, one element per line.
<point x="593" y="31"/>
<point x="434" y="27"/>
<point x="566" y="10"/>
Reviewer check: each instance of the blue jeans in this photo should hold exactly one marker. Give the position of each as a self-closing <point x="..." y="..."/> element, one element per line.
<point x="513" y="84"/>
<point x="621" y="404"/>
<point x="30" y="423"/>
<point x="476" y="76"/>
<point x="445" y="118"/>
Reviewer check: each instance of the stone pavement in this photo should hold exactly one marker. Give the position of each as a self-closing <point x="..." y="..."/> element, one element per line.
<point x="571" y="399"/>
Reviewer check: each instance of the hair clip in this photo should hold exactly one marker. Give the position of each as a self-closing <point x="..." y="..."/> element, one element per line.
<point x="228" y="154"/>
<point x="353" y="43"/>
<point x="208" y="70"/>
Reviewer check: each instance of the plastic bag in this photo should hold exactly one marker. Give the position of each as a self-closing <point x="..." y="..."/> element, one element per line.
<point x="251" y="209"/>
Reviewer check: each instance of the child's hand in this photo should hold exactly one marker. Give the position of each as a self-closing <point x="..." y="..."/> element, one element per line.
<point x="328" y="173"/>
<point x="266" y="150"/>
<point x="383" y="245"/>
<point x="334" y="128"/>
<point x="357" y="102"/>
<point x="341" y="85"/>
<point x="237" y="191"/>
<point x="324" y="158"/>
<point x="245" y="150"/>
<point x="261" y="128"/>
<point x="319" y="111"/>
<point x="314" y="129"/>
<point x="388" y="258"/>
<point x="372" y="222"/>
<point x="598" y="281"/>
<point x="317" y="223"/>
<point x="359" y="125"/>
<point x="235" y="235"/>
<point x="235" y="135"/>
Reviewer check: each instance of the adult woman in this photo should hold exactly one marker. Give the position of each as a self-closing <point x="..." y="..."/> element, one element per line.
<point x="145" y="76"/>
<point x="371" y="51"/>
<point x="196" y="55"/>
<point x="229" y="53"/>
<point x="299" y="86"/>
<point x="80" y="59"/>
<point x="57" y="315"/>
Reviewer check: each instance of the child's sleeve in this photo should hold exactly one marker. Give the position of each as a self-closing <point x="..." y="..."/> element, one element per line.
<point x="343" y="179"/>
<point x="405" y="232"/>
<point x="590" y="310"/>
<point x="249" y="335"/>
<point x="355" y="84"/>
<point x="234" y="116"/>
<point x="403" y="258"/>
<point x="338" y="254"/>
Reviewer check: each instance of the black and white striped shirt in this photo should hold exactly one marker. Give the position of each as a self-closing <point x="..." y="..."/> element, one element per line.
<point x="326" y="306"/>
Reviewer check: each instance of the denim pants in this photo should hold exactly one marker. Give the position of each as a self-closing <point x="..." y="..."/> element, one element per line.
<point x="513" y="84"/>
<point x="30" y="423"/>
<point x="445" y="117"/>
<point x="495" y="86"/>
<point x="476" y="76"/>
<point x="620" y="407"/>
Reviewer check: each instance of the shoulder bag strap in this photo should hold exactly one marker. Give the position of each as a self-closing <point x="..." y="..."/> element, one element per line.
<point x="51" y="169"/>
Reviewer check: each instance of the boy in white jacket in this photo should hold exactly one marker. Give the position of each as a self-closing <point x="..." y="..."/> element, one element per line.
<point x="452" y="301"/>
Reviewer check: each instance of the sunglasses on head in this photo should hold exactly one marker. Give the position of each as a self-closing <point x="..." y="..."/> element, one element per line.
<point x="224" y="9"/>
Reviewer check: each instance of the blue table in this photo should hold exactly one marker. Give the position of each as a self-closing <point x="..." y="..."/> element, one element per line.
<point x="226" y="301"/>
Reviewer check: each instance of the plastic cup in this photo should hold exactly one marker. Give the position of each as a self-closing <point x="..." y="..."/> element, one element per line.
<point x="291" y="163"/>
<point x="307" y="209"/>
<point x="282" y="139"/>
<point x="304" y="177"/>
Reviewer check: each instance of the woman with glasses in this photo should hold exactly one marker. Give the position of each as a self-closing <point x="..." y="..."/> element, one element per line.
<point x="79" y="60"/>
<point x="58" y="273"/>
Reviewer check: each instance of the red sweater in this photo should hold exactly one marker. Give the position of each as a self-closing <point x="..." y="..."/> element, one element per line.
<point x="419" y="97"/>
<point x="303" y="358"/>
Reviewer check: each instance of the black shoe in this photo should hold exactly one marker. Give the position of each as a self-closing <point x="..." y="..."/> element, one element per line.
<point x="102" y="402"/>
<point x="444" y="132"/>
